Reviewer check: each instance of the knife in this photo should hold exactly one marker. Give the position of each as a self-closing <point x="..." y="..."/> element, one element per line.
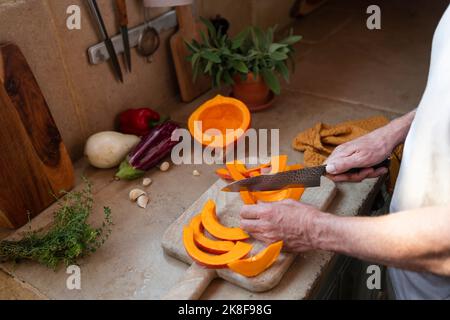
<point x="304" y="178"/>
<point x="123" y="22"/>
<point x="108" y="43"/>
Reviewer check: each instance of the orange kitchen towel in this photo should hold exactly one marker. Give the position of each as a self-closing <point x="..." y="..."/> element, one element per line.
<point x="318" y="142"/>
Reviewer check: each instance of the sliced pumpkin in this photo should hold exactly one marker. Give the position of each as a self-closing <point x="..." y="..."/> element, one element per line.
<point x="259" y="263"/>
<point x="236" y="175"/>
<point x="216" y="229"/>
<point x="278" y="164"/>
<point x="240" y="250"/>
<point x="224" y="174"/>
<point x="205" y="243"/>
<point x="221" y="114"/>
<point x="241" y="168"/>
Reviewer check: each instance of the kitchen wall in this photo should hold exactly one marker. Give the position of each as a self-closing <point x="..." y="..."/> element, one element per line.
<point x="84" y="99"/>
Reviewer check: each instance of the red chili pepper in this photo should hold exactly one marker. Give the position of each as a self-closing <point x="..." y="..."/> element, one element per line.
<point x="138" y="121"/>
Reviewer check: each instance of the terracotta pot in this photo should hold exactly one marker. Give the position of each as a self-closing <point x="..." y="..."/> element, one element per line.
<point x="253" y="92"/>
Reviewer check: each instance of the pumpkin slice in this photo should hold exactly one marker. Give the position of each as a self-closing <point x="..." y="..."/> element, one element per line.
<point x="257" y="264"/>
<point x="207" y="244"/>
<point x="221" y="114"/>
<point x="279" y="164"/>
<point x="240" y="250"/>
<point x="252" y="172"/>
<point x="224" y="174"/>
<point x="213" y="226"/>
<point x="236" y="175"/>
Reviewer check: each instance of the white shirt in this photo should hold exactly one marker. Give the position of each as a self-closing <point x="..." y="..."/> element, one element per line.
<point x="424" y="178"/>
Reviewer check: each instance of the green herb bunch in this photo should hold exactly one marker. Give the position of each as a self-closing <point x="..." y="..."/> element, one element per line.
<point x="69" y="238"/>
<point x="253" y="50"/>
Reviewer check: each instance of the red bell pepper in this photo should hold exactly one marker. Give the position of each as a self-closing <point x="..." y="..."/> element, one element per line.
<point x="138" y="121"/>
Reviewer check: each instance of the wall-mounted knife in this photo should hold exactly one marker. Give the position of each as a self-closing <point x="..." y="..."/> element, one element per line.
<point x="304" y="178"/>
<point x="123" y="22"/>
<point x="108" y="43"/>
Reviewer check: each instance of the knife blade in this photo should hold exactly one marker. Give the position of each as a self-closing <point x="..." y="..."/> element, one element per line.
<point x="123" y="22"/>
<point x="107" y="40"/>
<point x="304" y="178"/>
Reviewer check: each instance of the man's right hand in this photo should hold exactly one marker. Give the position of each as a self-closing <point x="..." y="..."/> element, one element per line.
<point x="364" y="152"/>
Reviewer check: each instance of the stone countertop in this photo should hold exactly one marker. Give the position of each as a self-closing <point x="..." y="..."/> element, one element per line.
<point x="132" y="264"/>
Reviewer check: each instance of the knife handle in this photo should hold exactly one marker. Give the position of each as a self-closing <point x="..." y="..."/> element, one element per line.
<point x="385" y="164"/>
<point x="122" y="11"/>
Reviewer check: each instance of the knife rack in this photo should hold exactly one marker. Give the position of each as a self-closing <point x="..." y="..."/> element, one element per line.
<point x="99" y="54"/>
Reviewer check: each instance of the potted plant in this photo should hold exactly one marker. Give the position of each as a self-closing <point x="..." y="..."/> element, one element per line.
<point x="250" y="62"/>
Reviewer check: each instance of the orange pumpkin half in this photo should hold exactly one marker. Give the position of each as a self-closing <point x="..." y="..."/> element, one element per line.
<point x="209" y="123"/>
<point x="216" y="229"/>
<point x="207" y="244"/>
<point x="257" y="264"/>
<point x="240" y="250"/>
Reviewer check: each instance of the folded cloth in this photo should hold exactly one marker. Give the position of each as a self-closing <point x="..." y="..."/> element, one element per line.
<point x="319" y="142"/>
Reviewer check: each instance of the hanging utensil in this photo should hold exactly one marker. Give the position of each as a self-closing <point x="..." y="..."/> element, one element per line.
<point x="105" y="37"/>
<point x="149" y="40"/>
<point x="123" y="22"/>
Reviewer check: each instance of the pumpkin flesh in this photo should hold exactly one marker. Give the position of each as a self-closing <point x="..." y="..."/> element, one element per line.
<point x="219" y="114"/>
<point x="278" y="164"/>
<point x="259" y="263"/>
<point x="207" y="244"/>
<point x="216" y="229"/>
<point x="240" y="250"/>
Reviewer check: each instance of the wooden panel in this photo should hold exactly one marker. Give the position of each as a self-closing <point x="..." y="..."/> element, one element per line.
<point x="34" y="163"/>
<point x="188" y="30"/>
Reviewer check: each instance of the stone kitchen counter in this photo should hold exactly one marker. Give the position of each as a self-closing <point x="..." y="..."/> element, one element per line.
<point x="132" y="264"/>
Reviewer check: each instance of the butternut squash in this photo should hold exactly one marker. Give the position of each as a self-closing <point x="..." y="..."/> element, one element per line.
<point x="221" y="114"/>
<point x="205" y="243"/>
<point x="240" y="250"/>
<point x="257" y="264"/>
<point x="213" y="226"/>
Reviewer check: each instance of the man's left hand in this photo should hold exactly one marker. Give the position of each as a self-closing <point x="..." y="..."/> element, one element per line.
<point x="287" y="220"/>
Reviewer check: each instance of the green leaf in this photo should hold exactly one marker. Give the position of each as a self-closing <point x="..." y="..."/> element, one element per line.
<point x="276" y="46"/>
<point x="291" y="40"/>
<point x="271" y="80"/>
<point x="239" y="39"/>
<point x="205" y="39"/>
<point x="208" y="67"/>
<point x="279" y="56"/>
<point x="191" y="46"/>
<point x="240" y="66"/>
<point x="283" y="70"/>
<point x="218" y="78"/>
<point x="227" y="78"/>
<point x="211" y="56"/>
<point x="211" y="29"/>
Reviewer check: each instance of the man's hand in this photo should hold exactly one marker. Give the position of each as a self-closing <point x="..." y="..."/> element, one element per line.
<point x="368" y="151"/>
<point x="364" y="152"/>
<point x="288" y="220"/>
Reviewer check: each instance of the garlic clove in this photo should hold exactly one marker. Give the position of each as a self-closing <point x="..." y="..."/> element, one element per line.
<point x="136" y="193"/>
<point x="196" y="173"/>
<point x="165" y="167"/>
<point x="143" y="201"/>
<point x="147" y="182"/>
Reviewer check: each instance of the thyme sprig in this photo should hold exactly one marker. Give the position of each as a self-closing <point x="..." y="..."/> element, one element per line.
<point x="69" y="238"/>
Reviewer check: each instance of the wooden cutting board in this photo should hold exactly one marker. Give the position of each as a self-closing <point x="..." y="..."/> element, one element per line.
<point x="197" y="278"/>
<point x="34" y="163"/>
<point x="188" y="30"/>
